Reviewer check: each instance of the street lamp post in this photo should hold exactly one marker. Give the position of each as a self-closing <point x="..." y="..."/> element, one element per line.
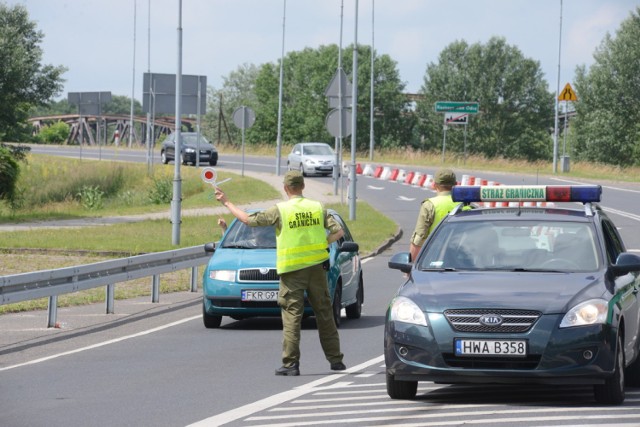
<point x="354" y="114"/>
<point x="279" y="138"/>
<point x="555" y="127"/>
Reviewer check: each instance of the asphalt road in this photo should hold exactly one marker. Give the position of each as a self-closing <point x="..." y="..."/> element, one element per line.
<point x="168" y="370"/>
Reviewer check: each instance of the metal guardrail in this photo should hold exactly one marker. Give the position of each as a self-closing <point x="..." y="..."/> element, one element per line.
<point x="51" y="283"/>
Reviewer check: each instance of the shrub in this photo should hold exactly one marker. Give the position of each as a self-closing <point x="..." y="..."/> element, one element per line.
<point x="161" y="192"/>
<point x="9" y="171"/>
<point x="91" y="197"/>
<point x="54" y="134"/>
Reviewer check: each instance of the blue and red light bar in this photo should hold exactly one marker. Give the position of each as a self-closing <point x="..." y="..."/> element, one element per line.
<point x="526" y="193"/>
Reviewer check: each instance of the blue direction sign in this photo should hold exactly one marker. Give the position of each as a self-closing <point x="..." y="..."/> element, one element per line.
<point x="457" y="107"/>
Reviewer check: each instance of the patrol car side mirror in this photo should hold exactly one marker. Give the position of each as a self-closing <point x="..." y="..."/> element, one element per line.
<point x="401" y="261"/>
<point x="626" y="263"/>
<point x="210" y="247"/>
<point x="349" y="247"/>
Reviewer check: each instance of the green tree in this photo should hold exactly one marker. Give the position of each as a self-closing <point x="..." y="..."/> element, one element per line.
<point x="120" y="104"/>
<point x="53" y="108"/>
<point x="607" y="124"/>
<point x="516" y="107"/>
<point x="24" y="81"/>
<point x="307" y="74"/>
<point x="238" y="89"/>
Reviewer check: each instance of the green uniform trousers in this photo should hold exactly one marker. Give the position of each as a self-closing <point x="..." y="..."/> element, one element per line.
<point x="313" y="280"/>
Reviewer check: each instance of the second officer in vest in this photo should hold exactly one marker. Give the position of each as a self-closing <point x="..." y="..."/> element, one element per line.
<point x="301" y="242"/>
<point x="433" y="210"/>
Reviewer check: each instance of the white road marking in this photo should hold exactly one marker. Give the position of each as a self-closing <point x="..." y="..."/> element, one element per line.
<point x="371" y="187"/>
<point x="277" y="399"/>
<point x="101" y="344"/>
<point x="406" y="199"/>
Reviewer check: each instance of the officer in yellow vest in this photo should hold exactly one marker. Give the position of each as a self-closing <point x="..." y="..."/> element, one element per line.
<point x="433" y="210"/>
<point x="302" y="244"/>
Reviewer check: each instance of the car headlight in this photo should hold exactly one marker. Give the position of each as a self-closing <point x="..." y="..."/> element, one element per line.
<point x="310" y="162"/>
<point x="407" y="311"/>
<point x="223" y="275"/>
<point x="189" y="150"/>
<point x="590" y="312"/>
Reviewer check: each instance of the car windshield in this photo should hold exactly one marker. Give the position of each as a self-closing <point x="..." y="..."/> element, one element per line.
<point x="513" y="246"/>
<point x="317" y="150"/>
<point x="242" y="236"/>
<point x="192" y="139"/>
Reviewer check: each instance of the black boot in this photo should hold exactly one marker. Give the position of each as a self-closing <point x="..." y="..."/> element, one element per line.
<point x="290" y="371"/>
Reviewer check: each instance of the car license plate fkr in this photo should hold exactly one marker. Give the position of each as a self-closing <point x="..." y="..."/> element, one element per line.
<point x="465" y="347"/>
<point x="259" y="295"/>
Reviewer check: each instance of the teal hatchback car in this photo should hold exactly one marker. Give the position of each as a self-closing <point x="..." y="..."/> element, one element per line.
<point x="241" y="281"/>
<point x="518" y="294"/>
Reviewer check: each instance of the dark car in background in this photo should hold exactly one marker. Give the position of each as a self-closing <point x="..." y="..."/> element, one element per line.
<point x="240" y="280"/>
<point x="518" y="295"/>
<point x="188" y="148"/>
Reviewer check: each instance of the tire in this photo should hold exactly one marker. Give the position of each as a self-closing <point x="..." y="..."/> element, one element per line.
<point x="163" y="157"/>
<point x="210" y="321"/>
<point x="302" y="170"/>
<point x="401" y="389"/>
<point x="612" y="391"/>
<point x="182" y="160"/>
<point x="213" y="162"/>
<point x="632" y="373"/>
<point x="337" y="304"/>
<point x="354" y="311"/>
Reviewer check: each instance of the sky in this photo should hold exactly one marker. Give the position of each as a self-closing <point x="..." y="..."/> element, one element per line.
<point x="105" y="49"/>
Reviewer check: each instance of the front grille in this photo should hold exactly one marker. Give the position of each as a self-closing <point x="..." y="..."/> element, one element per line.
<point x="236" y="303"/>
<point x="515" y="363"/>
<point x="513" y="321"/>
<point x="258" y="275"/>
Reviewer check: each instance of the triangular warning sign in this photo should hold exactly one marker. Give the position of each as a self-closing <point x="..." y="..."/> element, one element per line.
<point x="567" y="94"/>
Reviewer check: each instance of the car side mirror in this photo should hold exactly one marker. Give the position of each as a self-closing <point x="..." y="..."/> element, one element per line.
<point x="349" y="247"/>
<point x="626" y="263"/>
<point x="210" y="247"/>
<point x="401" y="261"/>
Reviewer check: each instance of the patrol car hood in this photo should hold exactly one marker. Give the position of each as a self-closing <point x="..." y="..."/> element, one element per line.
<point x="546" y="292"/>
<point x="234" y="259"/>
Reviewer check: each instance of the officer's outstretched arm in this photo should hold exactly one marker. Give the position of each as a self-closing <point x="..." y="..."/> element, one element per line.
<point x="335" y="236"/>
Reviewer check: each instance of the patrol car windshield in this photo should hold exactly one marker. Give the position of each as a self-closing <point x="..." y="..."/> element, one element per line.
<point x="242" y="236"/>
<point x="513" y="246"/>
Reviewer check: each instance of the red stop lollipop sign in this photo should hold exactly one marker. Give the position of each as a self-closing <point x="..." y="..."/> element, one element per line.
<point x="209" y="176"/>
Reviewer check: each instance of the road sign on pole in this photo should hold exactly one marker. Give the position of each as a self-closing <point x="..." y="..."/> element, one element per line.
<point x="457" y="107"/>
<point x="332" y="123"/>
<point x="456" y="118"/>
<point x="567" y="94"/>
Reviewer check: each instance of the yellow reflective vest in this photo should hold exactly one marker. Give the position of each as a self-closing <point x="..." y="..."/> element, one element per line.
<point x="442" y="206"/>
<point x="302" y="241"/>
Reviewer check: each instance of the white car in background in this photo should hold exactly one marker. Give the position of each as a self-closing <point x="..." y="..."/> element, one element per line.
<point x="312" y="158"/>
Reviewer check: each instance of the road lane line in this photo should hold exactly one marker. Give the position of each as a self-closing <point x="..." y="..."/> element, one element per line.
<point x="102" y="344"/>
<point x="277" y="399"/>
